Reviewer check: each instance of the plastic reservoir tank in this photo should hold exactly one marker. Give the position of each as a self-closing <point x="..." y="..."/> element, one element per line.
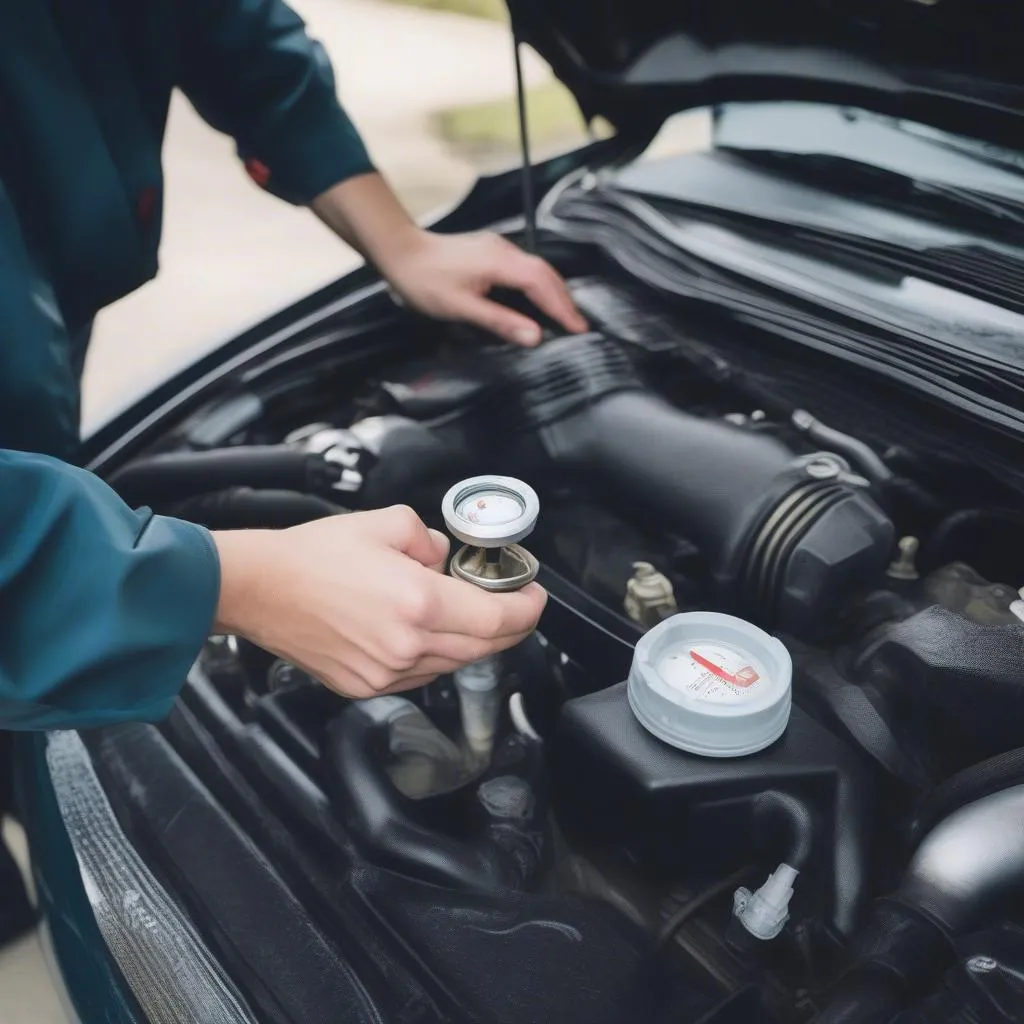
<point x="702" y="758"/>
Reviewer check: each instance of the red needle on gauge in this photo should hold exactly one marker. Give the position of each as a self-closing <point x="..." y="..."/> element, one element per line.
<point x="714" y="669"/>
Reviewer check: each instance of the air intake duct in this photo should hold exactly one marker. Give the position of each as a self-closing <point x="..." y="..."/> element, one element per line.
<point x="785" y="538"/>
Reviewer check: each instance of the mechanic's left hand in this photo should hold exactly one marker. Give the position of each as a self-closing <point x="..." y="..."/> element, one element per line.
<point x="449" y="277"/>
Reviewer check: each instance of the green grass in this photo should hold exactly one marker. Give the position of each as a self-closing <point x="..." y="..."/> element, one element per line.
<point x="551" y="113"/>
<point x="493" y="126"/>
<point x="493" y="10"/>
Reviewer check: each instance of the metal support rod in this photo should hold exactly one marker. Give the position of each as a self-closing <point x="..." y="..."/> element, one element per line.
<point x="529" y="206"/>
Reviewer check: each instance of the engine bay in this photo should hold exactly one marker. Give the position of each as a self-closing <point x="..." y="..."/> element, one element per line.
<point x="567" y="865"/>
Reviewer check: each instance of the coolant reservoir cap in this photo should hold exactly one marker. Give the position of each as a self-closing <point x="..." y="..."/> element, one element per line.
<point x="711" y="684"/>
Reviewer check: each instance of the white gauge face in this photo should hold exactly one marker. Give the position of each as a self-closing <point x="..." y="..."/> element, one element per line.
<point x="490" y="511"/>
<point x="490" y="508"/>
<point x="714" y="672"/>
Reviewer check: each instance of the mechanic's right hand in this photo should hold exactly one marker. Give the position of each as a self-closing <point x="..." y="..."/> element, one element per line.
<point x="360" y="601"/>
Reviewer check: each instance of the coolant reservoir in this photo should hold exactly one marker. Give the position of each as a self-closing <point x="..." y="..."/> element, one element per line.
<point x="711" y="684"/>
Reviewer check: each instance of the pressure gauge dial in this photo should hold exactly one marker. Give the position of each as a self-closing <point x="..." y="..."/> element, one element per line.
<point x="711" y="684"/>
<point x="490" y="511"/>
<point x="490" y="514"/>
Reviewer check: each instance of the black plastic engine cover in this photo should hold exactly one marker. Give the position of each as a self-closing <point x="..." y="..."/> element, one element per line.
<point x="515" y="958"/>
<point x="954" y="681"/>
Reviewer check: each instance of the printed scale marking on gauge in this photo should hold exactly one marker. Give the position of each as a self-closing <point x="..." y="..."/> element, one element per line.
<point x="493" y="509"/>
<point x="713" y="671"/>
<point x="711" y="684"/>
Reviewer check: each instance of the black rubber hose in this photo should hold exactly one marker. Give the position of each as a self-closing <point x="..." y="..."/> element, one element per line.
<point x="868" y="995"/>
<point x="860" y="455"/>
<point x="706" y="478"/>
<point x="896" y="958"/>
<point x="672" y="925"/>
<point x="163" y="480"/>
<point x="788" y="826"/>
<point x="967" y="535"/>
<point x="980" y="780"/>
<point x="776" y="542"/>
<point x="963" y="874"/>
<point x="386" y="824"/>
<point x="969" y="864"/>
<point x="242" y="508"/>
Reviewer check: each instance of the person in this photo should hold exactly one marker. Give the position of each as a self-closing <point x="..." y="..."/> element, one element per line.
<point x="104" y="607"/>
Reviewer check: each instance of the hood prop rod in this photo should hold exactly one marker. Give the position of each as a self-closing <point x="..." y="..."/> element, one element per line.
<point x="526" y="169"/>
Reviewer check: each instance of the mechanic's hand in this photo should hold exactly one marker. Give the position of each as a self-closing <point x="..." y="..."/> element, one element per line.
<point x="445" y="276"/>
<point x="449" y="276"/>
<point x="360" y="602"/>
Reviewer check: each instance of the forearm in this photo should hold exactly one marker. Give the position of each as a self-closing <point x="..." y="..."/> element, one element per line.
<point x="365" y="212"/>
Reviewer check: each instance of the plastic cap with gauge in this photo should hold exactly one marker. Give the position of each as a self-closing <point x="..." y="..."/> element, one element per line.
<point x="711" y="684"/>
<point x="490" y="514"/>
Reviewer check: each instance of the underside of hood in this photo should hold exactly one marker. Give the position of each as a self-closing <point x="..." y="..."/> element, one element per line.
<point x="954" y="64"/>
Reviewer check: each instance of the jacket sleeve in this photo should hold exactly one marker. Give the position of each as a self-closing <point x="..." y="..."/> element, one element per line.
<point x="252" y="72"/>
<point x="102" y="608"/>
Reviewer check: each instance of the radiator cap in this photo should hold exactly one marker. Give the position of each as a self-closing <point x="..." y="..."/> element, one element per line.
<point x="711" y="684"/>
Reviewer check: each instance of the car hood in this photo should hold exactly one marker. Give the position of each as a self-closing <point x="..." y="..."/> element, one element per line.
<point x="951" y="64"/>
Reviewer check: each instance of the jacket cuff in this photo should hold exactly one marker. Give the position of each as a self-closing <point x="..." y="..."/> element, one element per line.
<point x="307" y="152"/>
<point x="193" y="575"/>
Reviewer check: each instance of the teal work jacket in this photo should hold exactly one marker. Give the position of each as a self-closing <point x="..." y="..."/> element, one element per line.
<point x="104" y="607"/>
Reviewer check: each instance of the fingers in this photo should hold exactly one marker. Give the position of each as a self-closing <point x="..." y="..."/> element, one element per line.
<point x="457" y="649"/>
<point x="461" y="608"/>
<point x="412" y="684"/>
<point x="362" y="677"/>
<point x="359" y="674"/>
<point x="349" y="684"/>
<point x="355" y="673"/>
<point x="543" y="286"/>
<point x="442" y="544"/>
<point x="500" y="320"/>
<point x="400" y="528"/>
<point x="451" y="651"/>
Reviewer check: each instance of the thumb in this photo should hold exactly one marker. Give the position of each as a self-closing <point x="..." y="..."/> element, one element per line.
<point x="500" y="320"/>
<point x="441" y="548"/>
<point x="400" y="528"/>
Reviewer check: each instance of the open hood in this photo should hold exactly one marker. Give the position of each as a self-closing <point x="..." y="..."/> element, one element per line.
<point x="954" y="64"/>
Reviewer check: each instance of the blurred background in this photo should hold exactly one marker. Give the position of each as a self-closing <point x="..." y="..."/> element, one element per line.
<point x="430" y="84"/>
